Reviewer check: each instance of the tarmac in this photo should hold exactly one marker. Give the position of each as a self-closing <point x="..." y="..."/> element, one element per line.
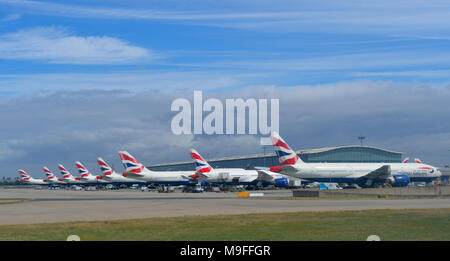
<point x="49" y="206"/>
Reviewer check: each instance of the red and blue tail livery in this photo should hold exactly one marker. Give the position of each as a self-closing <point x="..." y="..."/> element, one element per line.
<point x="64" y="172"/>
<point x="131" y="164"/>
<point x="27" y="179"/>
<point x="48" y="173"/>
<point x="24" y="176"/>
<point x="83" y="171"/>
<point x="104" y="167"/>
<point x="285" y="154"/>
<point x="201" y="165"/>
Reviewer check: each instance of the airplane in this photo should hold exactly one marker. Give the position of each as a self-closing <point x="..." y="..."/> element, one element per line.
<point x="136" y="170"/>
<point x="51" y="178"/>
<point x="363" y="174"/>
<point x="68" y="177"/>
<point x="87" y="176"/>
<point x="26" y="178"/>
<point x="235" y="175"/>
<point x="110" y="175"/>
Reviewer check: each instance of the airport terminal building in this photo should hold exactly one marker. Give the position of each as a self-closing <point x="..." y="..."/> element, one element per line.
<point x="330" y="154"/>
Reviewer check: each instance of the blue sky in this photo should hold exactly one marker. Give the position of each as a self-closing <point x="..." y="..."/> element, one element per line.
<point x="340" y="69"/>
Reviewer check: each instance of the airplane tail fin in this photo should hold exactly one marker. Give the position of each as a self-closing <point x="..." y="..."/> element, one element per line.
<point x="23" y="175"/>
<point x="418" y="161"/>
<point x="64" y="172"/>
<point x="201" y="165"/>
<point x="131" y="164"/>
<point x="83" y="171"/>
<point x="286" y="155"/>
<point x="104" y="167"/>
<point x="48" y="173"/>
<point x="406" y="160"/>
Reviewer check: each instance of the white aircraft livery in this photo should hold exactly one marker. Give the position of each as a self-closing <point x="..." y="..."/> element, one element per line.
<point x="51" y="178"/>
<point x="87" y="176"/>
<point x="68" y="177"/>
<point x="26" y="178"/>
<point x="109" y="174"/>
<point x="234" y="175"/>
<point x="363" y="174"/>
<point x="136" y="170"/>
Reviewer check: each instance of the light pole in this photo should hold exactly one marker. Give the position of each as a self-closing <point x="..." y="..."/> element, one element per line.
<point x="361" y="138"/>
<point x="264" y="149"/>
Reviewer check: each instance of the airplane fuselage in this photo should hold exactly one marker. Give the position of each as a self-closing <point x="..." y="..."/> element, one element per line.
<point x="233" y="176"/>
<point x="349" y="172"/>
<point x="72" y="180"/>
<point x="33" y="181"/>
<point x="115" y="177"/>
<point x="163" y="177"/>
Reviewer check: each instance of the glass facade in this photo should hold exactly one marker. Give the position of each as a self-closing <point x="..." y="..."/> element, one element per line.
<point x="338" y="154"/>
<point x="353" y="154"/>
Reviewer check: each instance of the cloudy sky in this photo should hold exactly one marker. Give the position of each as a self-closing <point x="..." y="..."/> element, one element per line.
<point x="83" y="79"/>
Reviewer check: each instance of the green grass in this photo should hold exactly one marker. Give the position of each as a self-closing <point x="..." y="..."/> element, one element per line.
<point x="411" y="224"/>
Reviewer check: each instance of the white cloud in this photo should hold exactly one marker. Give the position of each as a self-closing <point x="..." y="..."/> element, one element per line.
<point x="11" y="17"/>
<point x="350" y="61"/>
<point x="59" y="46"/>
<point x="132" y="81"/>
<point x="382" y="17"/>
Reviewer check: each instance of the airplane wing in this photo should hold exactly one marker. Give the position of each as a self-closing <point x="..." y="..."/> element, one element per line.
<point x="200" y="177"/>
<point x="381" y="173"/>
<point x="263" y="175"/>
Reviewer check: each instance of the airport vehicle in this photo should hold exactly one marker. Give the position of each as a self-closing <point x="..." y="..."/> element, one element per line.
<point x="68" y="177"/>
<point x="136" y="170"/>
<point x="363" y="174"/>
<point x="87" y="176"/>
<point x="26" y="178"/>
<point x="235" y="175"/>
<point x="76" y="187"/>
<point x="51" y="178"/>
<point x="328" y="186"/>
<point x="110" y="175"/>
<point x="352" y="186"/>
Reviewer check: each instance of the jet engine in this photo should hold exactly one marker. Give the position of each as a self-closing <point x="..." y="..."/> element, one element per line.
<point x="281" y="182"/>
<point x="400" y="180"/>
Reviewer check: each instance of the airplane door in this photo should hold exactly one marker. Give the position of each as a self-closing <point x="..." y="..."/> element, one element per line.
<point x="224" y="176"/>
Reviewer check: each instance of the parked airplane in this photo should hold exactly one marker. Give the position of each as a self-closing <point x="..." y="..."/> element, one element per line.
<point x="136" y="170"/>
<point x="68" y="177"/>
<point x="51" y="178"/>
<point x="86" y="175"/>
<point x="110" y="175"/>
<point x="363" y="174"/>
<point x="235" y="175"/>
<point x="26" y="178"/>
